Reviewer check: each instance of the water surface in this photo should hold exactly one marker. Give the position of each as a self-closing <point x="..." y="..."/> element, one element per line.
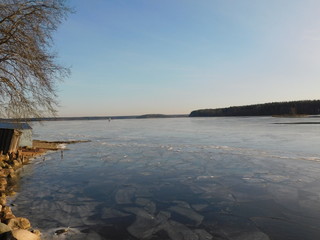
<point x="186" y="178"/>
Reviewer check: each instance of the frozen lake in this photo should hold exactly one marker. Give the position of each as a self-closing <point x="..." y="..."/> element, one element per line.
<point x="187" y="178"/>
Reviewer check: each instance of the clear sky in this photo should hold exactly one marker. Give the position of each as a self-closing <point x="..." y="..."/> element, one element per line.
<point x="131" y="57"/>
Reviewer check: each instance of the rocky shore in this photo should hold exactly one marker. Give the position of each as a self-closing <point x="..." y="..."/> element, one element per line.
<point x="11" y="226"/>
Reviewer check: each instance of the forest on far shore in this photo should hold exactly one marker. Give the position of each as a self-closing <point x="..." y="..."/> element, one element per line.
<point x="293" y="108"/>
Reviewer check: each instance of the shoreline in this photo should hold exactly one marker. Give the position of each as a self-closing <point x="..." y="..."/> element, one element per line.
<point x="11" y="226"/>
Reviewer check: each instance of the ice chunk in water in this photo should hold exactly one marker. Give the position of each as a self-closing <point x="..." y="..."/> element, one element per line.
<point x="112" y="213"/>
<point x="147" y="204"/>
<point x="199" y="207"/>
<point x="139" y="212"/>
<point x="69" y="233"/>
<point x="252" y="236"/>
<point x="203" y="234"/>
<point x="143" y="227"/>
<point x="146" y="225"/>
<point x="178" y="231"/>
<point x="125" y="195"/>
<point x="188" y="213"/>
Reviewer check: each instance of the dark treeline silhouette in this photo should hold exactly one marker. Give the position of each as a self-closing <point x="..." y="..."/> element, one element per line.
<point x="294" y="108"/>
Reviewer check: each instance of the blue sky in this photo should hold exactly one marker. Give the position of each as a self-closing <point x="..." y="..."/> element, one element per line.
<point x="131" y="57"/>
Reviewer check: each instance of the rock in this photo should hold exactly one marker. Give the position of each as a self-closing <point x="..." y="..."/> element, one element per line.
<point x="3" y="181"/>
<point x="61" y="231"/>
<point x="3" y="201"/>
<point x="7" y="236"/>
<point x="36" y="232"/>
<point x="4" y="228"/>
<point x="12" y="175"/>
<point x="19" y="223"/>
<point x="11" y="192"/>
<point x="6" y="209"/>
<point x="22" y="234"/>
<point x="24" y="223"/>
<point x="2" y="188"/>
<point x="6" y="171"/>
<point x="7" y="213"/>
<point x="9" y="216"/>
<point x="16" y="164"/>
<point x="3" y="173"/>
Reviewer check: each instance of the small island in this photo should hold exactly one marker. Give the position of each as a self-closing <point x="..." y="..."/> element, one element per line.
<point x="280" y="109"/>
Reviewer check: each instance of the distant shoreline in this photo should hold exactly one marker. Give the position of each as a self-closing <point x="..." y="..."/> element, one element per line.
<point x="150" y="116"/>
<point x="146" y="116"/>
<point x="297" y="123"/>
<point x="279" y="109"/>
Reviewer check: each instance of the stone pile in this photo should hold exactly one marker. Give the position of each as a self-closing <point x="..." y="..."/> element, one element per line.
<point x="12" y="227"/>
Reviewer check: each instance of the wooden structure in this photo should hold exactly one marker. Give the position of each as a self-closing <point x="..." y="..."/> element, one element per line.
<point x="11" y="135"/>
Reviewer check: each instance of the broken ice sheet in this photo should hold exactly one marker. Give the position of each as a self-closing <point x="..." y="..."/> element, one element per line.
<point x="253" y="180"/>
<point x="178" y="231"/>
<point x="125" y="195"/>
<point x="143" y="227"/>
<point x="107" y="213"/>
<point x="146" y="224"/>
<point x="248" y="192"/>
<point x="199" y="207"/>
<point x="286" y="230"/>
<point x="266" y="207"/>
<point x="188" y="213"/>
<point x="143" y="192"/>
<point x="226" y="226"/>
<point x="275" y="178"/>
<point x="203" y="234"/>
<point x="184" y="176"/>
<point x="70" y="233"/>
<point x="139" y="212"/>
<point x="251" y="236"/>
<point x="147" y="204"/>
<point x="283" y="194"/>
<point x="205" y="178"/>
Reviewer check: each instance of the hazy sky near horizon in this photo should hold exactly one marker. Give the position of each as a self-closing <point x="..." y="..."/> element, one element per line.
<point x="131" y="57"/>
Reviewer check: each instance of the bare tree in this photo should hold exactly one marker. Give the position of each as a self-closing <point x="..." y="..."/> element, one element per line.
<point x="28" y="70"/>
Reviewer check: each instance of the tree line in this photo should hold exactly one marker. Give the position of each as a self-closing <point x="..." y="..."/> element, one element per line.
<point x="307" y="107"/>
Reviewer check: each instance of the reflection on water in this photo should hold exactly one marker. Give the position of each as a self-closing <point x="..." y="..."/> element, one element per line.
<point x="221" y="178"/>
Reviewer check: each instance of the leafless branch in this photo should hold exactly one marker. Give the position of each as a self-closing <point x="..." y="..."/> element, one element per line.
<point x="28" y="70"/>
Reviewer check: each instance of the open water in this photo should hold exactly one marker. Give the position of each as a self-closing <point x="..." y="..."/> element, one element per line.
<point x="185" y="178"/>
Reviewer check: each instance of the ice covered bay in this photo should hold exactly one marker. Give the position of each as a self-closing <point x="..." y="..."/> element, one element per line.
<point x="188" y="178"/>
